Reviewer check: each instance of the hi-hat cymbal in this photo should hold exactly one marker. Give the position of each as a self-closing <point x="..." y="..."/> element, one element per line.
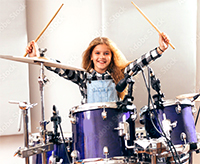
<point x="39" y="60"/>
<point x="188" y="96"/>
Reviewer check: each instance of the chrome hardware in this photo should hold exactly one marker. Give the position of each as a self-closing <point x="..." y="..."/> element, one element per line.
<point x="73" y="120"/>
<point x="105" y="151"/>
<point x="75" y="155"/>
<point x="124" y="130"/>
<point x="104" y="113"/>
<point x="178" y="108"/>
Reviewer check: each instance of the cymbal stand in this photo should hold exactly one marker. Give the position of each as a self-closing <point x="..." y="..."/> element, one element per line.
<point x="155" y="83"/>
<point x="24" y="107"/>
<point x="42" y="80"/>
<point x="127" y="105"/>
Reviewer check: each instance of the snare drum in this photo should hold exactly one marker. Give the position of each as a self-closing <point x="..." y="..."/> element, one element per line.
<point x="180" y="111"/>
<point x="93" y="127"/>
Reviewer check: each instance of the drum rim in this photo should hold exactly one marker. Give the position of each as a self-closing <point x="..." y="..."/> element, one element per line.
<point x="112" y="160"/>
<point x="93" y="106"/>
<point x="170" y="102"/>
<point x="91" y="160"/>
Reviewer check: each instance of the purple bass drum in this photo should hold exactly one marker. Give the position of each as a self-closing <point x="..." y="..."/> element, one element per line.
<point x="93" y="127"/>
<point x="180" y="111"/>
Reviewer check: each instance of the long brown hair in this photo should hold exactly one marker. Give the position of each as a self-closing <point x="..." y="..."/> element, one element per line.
<point x="118" y="61"/>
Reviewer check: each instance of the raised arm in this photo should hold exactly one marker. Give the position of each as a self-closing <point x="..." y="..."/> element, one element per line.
<point x="74" y="75"/>
<point x="152" y="55"/>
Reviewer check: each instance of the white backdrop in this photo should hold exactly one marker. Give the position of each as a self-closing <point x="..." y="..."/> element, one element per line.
<point x="77" y="23"/>
<point x="13" y="75"/>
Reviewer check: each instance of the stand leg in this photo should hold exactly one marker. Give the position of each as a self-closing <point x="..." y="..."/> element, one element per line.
<point x="190" y="158"/>
<point x="26" y="137"/>
<point x="44" y="158"/>
<point x="43" y="122"/>
<point x="27" y="160"/>
<point x="153" y="159"/>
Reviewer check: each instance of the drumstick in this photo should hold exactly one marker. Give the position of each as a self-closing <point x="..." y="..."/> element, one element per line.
<point x="46" y="26"/>
<point x="150" y="22"/>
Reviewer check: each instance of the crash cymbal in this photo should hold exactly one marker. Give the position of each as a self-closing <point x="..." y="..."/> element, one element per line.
<point x="188" y="96"/>
<point x="39" y="60"/>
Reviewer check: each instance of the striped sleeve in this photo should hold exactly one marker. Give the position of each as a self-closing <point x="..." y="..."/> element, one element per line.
<point x="78" y="77"/>
<point x="144" y="60"/>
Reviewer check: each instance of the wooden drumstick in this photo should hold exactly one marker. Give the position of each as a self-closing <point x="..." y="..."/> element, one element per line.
<point x="46" y="26"/>
<point x="150" y="22"/>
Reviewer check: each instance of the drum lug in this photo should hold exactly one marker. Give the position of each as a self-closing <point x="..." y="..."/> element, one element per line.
<point x="75" y="155"/>
<point x="178" y="108"/>
<point x="174" y="124"/>
<point x="73" y="120"/>
<point x="105" y="151"/>
<point x="194" y="110"/>
<point x="183" y="137"/>
<point x="104" y="114"/>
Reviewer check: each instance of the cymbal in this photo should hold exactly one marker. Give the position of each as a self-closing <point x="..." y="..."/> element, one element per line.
<point x="39" y="60"/>
<point x="188" y="96"/>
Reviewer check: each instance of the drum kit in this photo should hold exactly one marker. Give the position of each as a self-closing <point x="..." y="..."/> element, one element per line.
<point x="106" y="132"/>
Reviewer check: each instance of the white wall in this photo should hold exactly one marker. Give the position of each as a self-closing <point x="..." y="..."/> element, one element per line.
<point x="80" y="21"/>
<point x="13" y="77"/>
<point x="196" y="157"/>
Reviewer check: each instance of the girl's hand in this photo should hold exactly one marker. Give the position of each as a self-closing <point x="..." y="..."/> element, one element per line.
<point x="163" y="43"/>
<point x="32" y="49"/>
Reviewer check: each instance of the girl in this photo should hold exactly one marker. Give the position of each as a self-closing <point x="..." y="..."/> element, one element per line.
<point x="105" y="66"/>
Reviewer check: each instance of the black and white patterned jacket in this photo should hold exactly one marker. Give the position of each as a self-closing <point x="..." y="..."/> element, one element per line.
<point x="80" y="77"/>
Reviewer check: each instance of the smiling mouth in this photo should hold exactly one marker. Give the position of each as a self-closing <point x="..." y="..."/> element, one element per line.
<point x="102" y="62"/>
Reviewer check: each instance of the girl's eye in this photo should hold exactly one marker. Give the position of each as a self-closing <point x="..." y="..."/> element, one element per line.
<point x="106" y="53"/>
<point x="97" y="53"/>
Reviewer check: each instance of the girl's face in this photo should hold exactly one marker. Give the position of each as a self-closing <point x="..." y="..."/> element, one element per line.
<point x="101" y="57"/>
